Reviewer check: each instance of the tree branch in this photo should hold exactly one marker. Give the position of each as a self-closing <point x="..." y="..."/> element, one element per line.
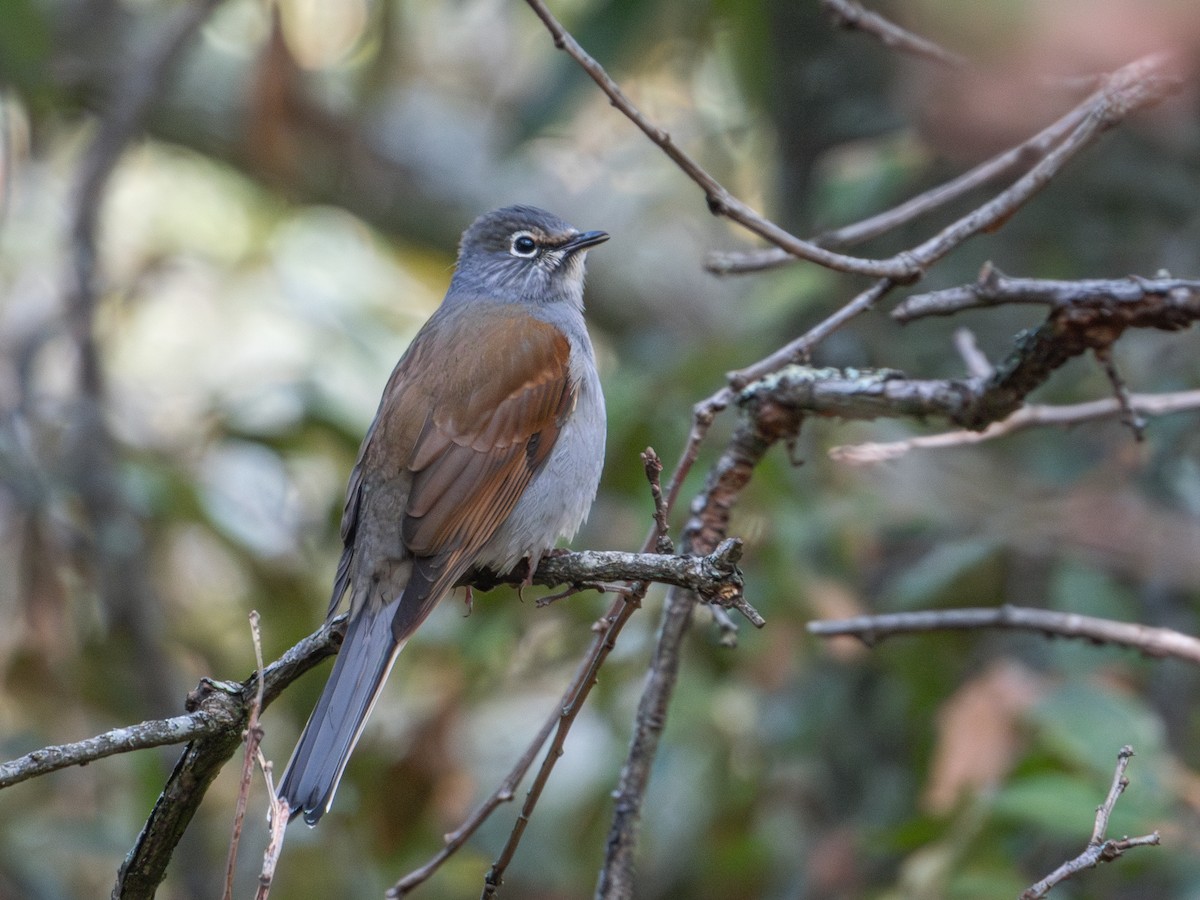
<point x="1072" y="328"/>
<point x="146" y="864"/>
<point x="1135" y="86"/>
<point x="1026" y="417"/>
<point x="851" y="15"/>
<point x="217" y="707"/>
<point x="764" y="425"/>
<point x="630" y="601"/>
<point x="1156" y="642"/>
<point x="1025" y="154"/>
<point x="1098" y="849"/>
<point x="994" y="288"/>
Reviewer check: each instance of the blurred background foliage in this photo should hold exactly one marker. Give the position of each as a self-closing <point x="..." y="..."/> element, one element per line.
<point x="289" y="220"/>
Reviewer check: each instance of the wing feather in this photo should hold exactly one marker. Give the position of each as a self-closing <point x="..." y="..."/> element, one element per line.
<point x="469" y="442"/>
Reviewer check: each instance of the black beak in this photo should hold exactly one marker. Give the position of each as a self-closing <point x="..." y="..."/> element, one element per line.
<point x="584" y="241"/>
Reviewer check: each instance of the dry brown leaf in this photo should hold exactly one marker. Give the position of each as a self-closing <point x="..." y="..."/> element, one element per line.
<point x="979" y="733"/>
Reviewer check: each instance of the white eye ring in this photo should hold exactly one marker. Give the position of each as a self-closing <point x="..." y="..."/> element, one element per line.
<point x="523" y="245"/>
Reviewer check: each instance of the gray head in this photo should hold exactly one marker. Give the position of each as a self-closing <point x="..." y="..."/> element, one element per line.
<point x="524" y="253"/>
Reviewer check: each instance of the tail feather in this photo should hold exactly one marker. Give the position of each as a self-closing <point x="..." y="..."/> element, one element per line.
<point x="359" y="672"/>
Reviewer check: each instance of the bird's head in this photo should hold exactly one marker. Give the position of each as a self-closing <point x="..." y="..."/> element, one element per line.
<point x="522" y="253"/>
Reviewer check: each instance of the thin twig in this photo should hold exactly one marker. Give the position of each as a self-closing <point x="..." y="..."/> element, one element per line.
<point x="504" y="793"/>
<point x="253" y="737"/>
<point x="662" y="530"/>
<point x="763" y="426"/>
<point x="851" y="15"/>
<point x="797" y="351"/>
<point x="977" y="363"/>
<point x="630" y="602"/>
<point x="560" y="721"/>
<point x="278" y="816"/>
<point x="1136" y="86"/>
<point x="1115" y="790"/>
<point x="1018" y="157"/>
<point x="1129" y="416"/>
<point x="1156" y="642"/>
<point x="1099" y="849"/>
<point x="704" y="414"/>
<point x="1032" y="416"/>
<point x="720" y="201"/>
<point x="1139" y="84"/>
<point x="602" y="646"/>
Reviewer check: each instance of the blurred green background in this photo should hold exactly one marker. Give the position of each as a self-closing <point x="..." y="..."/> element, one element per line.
<point x="290" y="219"/>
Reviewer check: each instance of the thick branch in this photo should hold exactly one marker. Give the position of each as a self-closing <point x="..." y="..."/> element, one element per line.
<point x="146" y="864"/>
<point x="156" y="733"/>
<point x="221" y="707"/>
<point x="978" y="401"/>
<point x="994" y="288"/>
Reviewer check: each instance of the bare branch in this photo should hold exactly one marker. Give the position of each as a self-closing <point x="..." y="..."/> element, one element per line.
<point x="1137" y="85"/>
<point x="764" y="425"/>
<point x="851" y="15"/>
<point x="653" y="467"/>
<point x="278" y="820"/>
<point x="253" y="738"/>
<point x="1115" y="790"/>
<point x="976" y="402"/>
<point x="218" y="706"/>
<point x="155" y="733"/>
<point x="720" y="201"/>
<point x="563" y="716"/>
<point x="1129" y="416"/>
<point x="1023" y="155"/>
<point x="1156" y="642"/>
<point x="994" y="288"/>
<point x="220" y="711"/>
<point x="977" y="364"/>
<point x="1025" y="417"/>
<point x="504" y="793"/>
<point x="630" y="601"/>
<point x="204" y="757"/>
<point x="798" y="351"/>
<point x="1098" y="849"/>
<point x="215" y="707"/>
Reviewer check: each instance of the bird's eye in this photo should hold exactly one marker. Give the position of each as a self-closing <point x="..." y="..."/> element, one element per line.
<point x="523" y="244"/>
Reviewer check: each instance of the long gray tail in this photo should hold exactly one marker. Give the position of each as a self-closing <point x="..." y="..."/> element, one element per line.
<point x="320" y="757"/>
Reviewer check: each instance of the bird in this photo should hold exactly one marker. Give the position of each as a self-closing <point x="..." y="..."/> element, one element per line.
<point x="486" y="449"/>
